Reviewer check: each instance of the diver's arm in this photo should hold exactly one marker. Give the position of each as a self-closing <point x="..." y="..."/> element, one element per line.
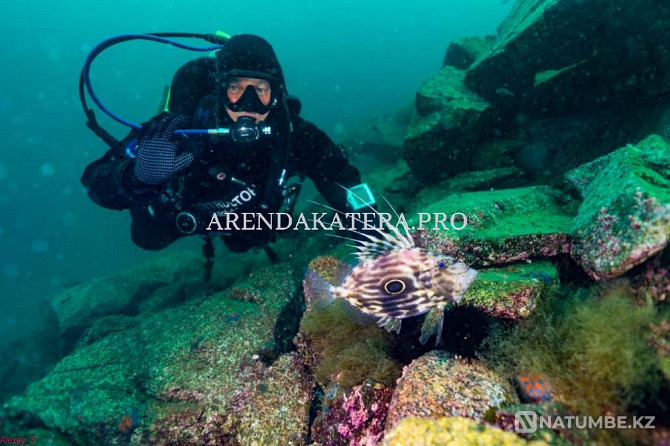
<point x="325" y="163"/>
<point x="109" y="181"/>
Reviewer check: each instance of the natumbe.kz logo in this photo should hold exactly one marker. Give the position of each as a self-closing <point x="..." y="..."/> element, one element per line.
<point x="528" y="422"/>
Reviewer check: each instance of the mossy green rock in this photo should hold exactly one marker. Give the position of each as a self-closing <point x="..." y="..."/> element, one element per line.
<point x="551" y="58"/>
<point x="511" y="292"/>
<point x="625" y="216"/>
<point x="503" y="226"/>
<point x="195" y="373"/>
<point x="478" y="180"/>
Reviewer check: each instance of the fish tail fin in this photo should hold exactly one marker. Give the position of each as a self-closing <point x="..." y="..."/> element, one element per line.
<point x="432" y="325"/>
<point x="318" y="292"/>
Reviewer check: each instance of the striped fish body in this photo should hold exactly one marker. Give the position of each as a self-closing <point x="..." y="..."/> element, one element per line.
<point x="399" y="284"/>
<point x="394" y="280"/>
<point x="395" y="285"/>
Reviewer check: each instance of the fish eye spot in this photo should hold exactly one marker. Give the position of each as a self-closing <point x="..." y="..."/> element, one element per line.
<point x="394" y="286"/>
<point x="441" y="264"/>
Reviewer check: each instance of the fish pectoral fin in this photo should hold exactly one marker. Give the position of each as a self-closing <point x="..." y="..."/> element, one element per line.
<point x="390" y="324"/>
<point x="432" y="324"/>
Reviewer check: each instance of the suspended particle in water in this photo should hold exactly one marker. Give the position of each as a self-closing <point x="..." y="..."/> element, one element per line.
<point x="40" y="245"/>
<point x="48" y="169"/>
<point x="11" y="270"/>
<point x="69" y="219"/>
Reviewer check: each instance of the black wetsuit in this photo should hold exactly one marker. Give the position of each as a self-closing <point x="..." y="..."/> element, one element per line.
<point x="222" y="169"/>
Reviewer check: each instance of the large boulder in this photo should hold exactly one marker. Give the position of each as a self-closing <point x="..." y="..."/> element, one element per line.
<point x="625" y="216"/>
<point x="451" y="119"/>
<point x="159" y="283"/>
<point x="511" y="292"/>
<point x="464" y="51"/>
<point x="564" y="56"/>
<point x="208" y="371"/>
<point x="503" y="226"/>
<point x="569" y="80"/>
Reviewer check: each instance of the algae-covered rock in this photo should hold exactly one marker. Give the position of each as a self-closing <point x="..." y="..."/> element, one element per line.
<point x="77" y="308"/>
<point x="379" y="139"/>
<point x="463" y="52"/>
<point x="195" y="373"/>
<point x="457" y="431"/>
<point x="511" y="292"/>
<point x="599" y="69"/>
<point x="451" y="119"/>
<point x="559" y="56"/>
<point x="485" y="179"/>
<point x="502" y="226"/>
<point x="625" y="216"/>
<point x="274" y="407"/>
<point x="339" y="350"/>
<point x="496" y="153"/>
<point x="104" y="326"/>
<point x="437" y="385"/>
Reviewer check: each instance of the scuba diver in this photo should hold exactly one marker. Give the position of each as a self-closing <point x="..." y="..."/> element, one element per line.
<point x="173" y="180"/>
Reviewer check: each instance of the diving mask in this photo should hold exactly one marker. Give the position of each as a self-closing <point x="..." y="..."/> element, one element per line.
<point x="249" y="102"/>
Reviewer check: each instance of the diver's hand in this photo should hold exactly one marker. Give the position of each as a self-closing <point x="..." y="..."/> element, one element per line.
<point x="157" y="149"/>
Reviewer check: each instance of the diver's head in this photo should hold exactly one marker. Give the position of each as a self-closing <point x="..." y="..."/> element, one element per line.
<point x="250" y="77"/>
<point x="248" y="96"/>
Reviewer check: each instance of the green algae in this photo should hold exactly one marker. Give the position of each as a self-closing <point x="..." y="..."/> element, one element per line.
<point x="593" y="346"/>
<point x="345" y="352"/>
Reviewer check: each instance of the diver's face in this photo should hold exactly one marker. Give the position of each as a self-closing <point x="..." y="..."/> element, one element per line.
<point x="235" y="90"/>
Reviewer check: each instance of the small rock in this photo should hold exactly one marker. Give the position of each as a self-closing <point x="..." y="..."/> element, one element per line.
<point x="448" y="431"/>
<point x="355" y="416"/>
<point x="437" y="385"/>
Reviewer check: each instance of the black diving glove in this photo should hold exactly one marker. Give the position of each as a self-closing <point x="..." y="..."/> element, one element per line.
<point x="157" y="158"/>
